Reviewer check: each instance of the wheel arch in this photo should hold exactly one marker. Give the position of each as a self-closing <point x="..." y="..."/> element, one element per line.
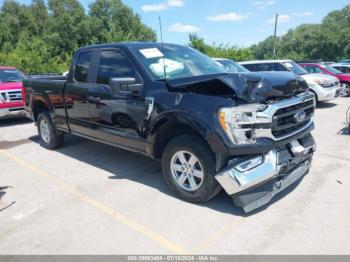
<point x="172" y="126"/>
<point x="39" y="104"/>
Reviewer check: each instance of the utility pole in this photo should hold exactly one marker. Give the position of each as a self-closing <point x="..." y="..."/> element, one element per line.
<point x="274" y="38"/>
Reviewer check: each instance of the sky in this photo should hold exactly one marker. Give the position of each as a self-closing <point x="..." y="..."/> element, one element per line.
<point x="234" y="22"/>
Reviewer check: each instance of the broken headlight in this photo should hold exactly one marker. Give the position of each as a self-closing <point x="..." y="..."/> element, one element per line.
<point x="238" y="122"/>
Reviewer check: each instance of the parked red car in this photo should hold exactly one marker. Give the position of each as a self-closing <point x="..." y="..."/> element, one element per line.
<point x="11" y="92"/>
<point x="329" y="70"/>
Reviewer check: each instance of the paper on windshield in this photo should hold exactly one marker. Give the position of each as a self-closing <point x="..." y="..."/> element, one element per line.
<point x="288" y="65"/>
<point x="171" y="67"/>
<point x="151" y="53"/>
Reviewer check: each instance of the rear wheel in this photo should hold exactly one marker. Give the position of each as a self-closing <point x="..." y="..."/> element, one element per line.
<point x="189" y="169"/>
<point x="50" y="138"/>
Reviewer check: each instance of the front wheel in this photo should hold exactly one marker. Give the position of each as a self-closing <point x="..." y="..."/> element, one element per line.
<point x="345" y="91"/>
<point x="189" y="169"/>
<point x="50" y="138"/>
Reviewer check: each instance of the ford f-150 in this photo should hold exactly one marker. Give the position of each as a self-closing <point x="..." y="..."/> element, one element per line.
<point x="246" y="133"/>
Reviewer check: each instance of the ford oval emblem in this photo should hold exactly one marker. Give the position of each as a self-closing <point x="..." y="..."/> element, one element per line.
<point x="300" y="117"/>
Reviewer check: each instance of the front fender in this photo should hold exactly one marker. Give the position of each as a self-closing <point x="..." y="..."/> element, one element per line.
<point x="207" y="132"/>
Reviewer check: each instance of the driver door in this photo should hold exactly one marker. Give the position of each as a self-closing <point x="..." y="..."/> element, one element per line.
<point x="117" y="117"/>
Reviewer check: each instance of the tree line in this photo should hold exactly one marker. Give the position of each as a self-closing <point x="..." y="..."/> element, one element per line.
<point x="328" y="41"/>
<point x="42" y="36"/>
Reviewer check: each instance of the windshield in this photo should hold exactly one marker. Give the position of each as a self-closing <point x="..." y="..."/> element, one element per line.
<point x="333" y="70"/>
<point x="294" y="67"/>
<point x="11" y="75"/>
<point x="231" y="66"/>
<point x="179" y="62"/>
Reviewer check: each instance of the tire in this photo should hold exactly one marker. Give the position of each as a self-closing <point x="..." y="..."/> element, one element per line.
<point x="187" y="146"/>
<point x="50" y="138"/>
<point x="316" y="97"/>
<point x="346" y="92"/>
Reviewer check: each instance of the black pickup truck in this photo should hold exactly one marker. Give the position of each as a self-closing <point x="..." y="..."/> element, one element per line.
<point x="247" y="133"/>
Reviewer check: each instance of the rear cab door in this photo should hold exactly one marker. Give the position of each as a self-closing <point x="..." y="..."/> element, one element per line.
<point x="76" y="91"/>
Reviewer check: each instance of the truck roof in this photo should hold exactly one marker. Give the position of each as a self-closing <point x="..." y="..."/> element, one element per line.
<point x="264" y="61"/>
<point x="127" y="44"/>
<point x="221" y="59"/>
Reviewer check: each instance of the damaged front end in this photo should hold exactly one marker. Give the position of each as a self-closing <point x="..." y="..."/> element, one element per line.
<point x="262" y="87"/>
<point x="266" y="132"/>
<point x="253" y="180"/>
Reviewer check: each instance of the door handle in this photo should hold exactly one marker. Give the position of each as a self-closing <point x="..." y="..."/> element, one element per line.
<point x="94" y="99"/>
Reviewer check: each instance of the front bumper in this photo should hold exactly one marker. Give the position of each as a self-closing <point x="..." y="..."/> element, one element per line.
<point x="12" y="112"/>
<point x="283" y="166"/>
<point x="327" y="94"/>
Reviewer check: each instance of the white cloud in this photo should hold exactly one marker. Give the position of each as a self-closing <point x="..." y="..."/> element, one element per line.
<point x="162" y="6"/>
<point x="228" y="17"/>
<point x="154" y="8"/>
<point x="176" y="3"/>
<point x="287" y="18"/>
<point x="263" y="4"/>
<point x="303" y="14"/>
<point x="281" y="19"/>
<point x="181" y="28"/>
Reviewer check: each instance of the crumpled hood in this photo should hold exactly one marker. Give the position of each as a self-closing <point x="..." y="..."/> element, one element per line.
<point x="250" y="87"/>
<point x="313" y="77"/>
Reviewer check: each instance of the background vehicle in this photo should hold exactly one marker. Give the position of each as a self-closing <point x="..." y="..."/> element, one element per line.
<point x="231" y="66"/>
<point x="345" y="68"/>
<point x="211" y="129"/>
<point x="11" y="92"/>
<point x="326" y="69"/>
<point x="324" y="87"/>
<point x="346" y="61"/>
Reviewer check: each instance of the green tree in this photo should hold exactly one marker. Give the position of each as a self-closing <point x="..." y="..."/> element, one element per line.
<point x="40" y="38"/>
<point x="329" y="40"/>
<point x="113" y="21"/>
<point x="220" y="51"/>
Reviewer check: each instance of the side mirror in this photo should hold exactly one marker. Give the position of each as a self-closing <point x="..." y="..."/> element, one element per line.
<point x="124" y="85"/>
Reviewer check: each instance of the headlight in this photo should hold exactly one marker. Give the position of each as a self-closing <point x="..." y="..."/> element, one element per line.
<point x="324" y="83"/>
<point x="238" y="122"/>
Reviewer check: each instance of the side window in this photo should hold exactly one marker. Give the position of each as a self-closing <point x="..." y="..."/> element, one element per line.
<point x="271" y="67"/>
<point x="308" y="68"/>
<point x="113" y="64"/>
<point x="82" y="68"/>
<point x="250" y="67"/>
<point x="315" y="69"/>
<point x="261" y="67"/>
<point x="281" y="67"/>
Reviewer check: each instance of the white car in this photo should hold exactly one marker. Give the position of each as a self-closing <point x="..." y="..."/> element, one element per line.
<point x="325" y="87"/>
<point x="230" y="65"/>
<point x="345" y="68"/>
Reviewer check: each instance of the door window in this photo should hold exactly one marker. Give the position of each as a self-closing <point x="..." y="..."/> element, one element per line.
<point x="83" y="66"/>
<point x="313" y="69"/>
<point x="113" y="64"/>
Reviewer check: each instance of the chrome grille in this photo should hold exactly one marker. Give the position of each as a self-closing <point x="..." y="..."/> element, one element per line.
<point x="11" y="95"/>
<point x="284" y="121"/>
